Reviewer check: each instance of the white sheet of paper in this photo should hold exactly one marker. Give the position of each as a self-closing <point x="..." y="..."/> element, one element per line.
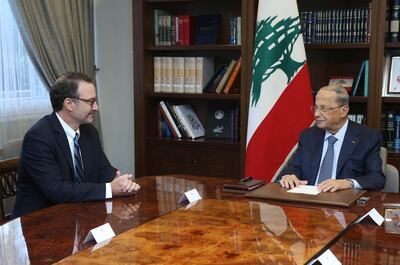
<point x="328" y="258"/>
<point x="306" y="189"/>
<point x="100" y="233"/>
<point x="373" y="213"/>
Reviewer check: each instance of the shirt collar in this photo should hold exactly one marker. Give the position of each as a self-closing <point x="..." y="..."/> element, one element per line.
<point x="340" y="134"/>
<point x="68" y="130"/>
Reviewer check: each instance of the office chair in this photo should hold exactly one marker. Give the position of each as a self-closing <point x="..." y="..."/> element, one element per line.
<point x="8" y="183"/>
<point x="391" y="173"/>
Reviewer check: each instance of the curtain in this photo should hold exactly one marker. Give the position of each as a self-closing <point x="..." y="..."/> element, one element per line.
<point x="58" y="35"/>
<point x="23" y="97"/>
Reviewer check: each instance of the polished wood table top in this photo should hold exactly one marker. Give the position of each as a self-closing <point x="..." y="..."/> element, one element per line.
<point x="223" y="232"/>
<point x="55" y="233"/>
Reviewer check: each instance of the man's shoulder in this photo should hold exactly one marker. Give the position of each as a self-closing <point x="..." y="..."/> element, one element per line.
<point x="88" y="129"/>
<point x="43" y="124"/>
<point x="362" y="129"/>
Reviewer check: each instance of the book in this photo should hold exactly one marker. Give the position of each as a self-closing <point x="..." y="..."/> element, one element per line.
<point x="157" y="73"/>
<point x="189" y="120"/>
<point x="244" y="185"/>
<point x="219" y="121"/>
<point x="178" y="74"/>
<point x="225" y="77"/>
<point x="358" y="85"/>
<point x="158" y="13"/>
<point x="190" y="75"/>
<point x="214" y="80"/>
<point x="207" y="29"/>
<point x="189" y="29"/>
<point x="204" y="71"/>
<point x="168" y="117"/>
<point x="233" y="77"/>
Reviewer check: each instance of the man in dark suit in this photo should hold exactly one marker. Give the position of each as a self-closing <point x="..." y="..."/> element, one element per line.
<point x="62" y="159"/>
<point x="354" y="155"/>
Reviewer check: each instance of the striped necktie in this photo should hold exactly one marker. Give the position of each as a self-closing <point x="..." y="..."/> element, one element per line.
<point x="79" y="176"/>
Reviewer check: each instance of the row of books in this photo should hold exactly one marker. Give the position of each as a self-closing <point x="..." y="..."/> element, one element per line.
<point x="391" y="130"/>
<point x="195" y="75"/>
<point x="359" y="118"/>
<point x="182" y="74"/>
<point x="336" y="25"/>
<point x="184" y="30"/>
<point x="225" y="79"/>
<point x="180" y="121"/>
<point x="235" y="28"/>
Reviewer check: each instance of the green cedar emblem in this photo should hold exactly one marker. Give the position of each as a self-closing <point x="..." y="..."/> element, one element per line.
<point x="273" y="46"/>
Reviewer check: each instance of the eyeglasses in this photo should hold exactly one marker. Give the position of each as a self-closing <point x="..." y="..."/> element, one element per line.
<point x="323" y="109"/>
<point x="89" y="101"/>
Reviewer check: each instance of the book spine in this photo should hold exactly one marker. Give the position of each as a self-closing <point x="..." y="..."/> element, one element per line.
<point x="182" y="120"/>
<point x="396" y="141"/>
<point x="178" y="66"/>
<point x="204" y="71"/>
<point x="394" y="21"/>
<point x="170" y="120"/>
<point x="157" y="74"/>
<point x="225" y="77"/>
<point x="190" y="75"/>
<point x="168" y="75"/>
<point x="233" y="77"/>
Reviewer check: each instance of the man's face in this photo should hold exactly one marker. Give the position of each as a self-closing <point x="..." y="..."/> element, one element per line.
<point x="86" y="104"/>
<point x="328" y="114"/>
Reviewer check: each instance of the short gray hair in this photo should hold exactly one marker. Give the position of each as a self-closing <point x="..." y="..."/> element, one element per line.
<point x="342" y="97"/>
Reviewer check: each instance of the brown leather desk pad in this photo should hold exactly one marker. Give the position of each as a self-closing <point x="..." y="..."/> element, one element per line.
<point x="273" y="191"/>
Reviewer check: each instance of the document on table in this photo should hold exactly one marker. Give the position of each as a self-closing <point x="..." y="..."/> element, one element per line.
<point x="305" y="189"/>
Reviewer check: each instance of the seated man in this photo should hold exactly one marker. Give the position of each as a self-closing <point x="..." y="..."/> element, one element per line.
<point x="337" y="153"/>
<point x="62" y="159"/>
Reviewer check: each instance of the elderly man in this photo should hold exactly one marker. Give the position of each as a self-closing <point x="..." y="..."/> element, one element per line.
<point x="337" y="153"/>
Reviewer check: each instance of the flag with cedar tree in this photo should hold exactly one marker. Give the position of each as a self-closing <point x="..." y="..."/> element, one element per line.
<point x="281" y="94"/>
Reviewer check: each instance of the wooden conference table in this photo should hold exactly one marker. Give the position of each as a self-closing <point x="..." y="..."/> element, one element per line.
<point x="222" y="228"/>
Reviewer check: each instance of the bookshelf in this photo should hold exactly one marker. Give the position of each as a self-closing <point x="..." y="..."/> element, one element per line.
<point x="202" y="156"/>
<point x="218" y="157"/>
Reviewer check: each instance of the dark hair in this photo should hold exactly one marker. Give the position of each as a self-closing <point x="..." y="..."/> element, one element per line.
<point x="66" y="86"/>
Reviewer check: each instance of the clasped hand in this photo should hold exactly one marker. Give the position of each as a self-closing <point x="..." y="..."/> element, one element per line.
<point x="123" y="185"/>
<point x="332" y="185"/>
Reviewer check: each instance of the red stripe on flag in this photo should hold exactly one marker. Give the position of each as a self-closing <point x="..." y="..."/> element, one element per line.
<point x="279" y="131"/>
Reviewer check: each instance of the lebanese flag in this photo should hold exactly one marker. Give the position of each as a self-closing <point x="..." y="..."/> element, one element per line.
<point x="281" y="94"/>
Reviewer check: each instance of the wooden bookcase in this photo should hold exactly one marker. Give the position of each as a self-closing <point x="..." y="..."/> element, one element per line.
<point x="225" y="158"/>
<point x="210" y="157"/>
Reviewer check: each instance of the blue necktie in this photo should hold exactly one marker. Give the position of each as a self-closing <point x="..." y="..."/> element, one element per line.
<point x="327" y="164"/>
<point x="78" y="161"/>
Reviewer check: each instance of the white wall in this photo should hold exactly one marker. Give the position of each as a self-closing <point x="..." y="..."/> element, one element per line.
<point x="114" y="57"/>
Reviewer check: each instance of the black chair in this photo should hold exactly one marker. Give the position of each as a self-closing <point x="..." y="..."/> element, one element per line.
<point x="8" y="183"/>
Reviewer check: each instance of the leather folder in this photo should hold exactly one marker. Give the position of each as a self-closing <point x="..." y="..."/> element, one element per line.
<point x="243" y="186"/>
<point x="273" y="191"/>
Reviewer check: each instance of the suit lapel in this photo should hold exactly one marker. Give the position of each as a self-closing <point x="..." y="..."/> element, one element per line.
<point x="61" y="139"/>
<point x="316" y="154"/>
<point x="350" y="142"/>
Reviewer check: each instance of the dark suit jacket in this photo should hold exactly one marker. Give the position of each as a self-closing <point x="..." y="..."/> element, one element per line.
<point x="359" y="158"/>
<point x="46" y="174"/>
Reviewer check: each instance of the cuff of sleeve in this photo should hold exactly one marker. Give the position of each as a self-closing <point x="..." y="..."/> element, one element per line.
<point x="108" y="191"/>
<point x="356" y="185"/>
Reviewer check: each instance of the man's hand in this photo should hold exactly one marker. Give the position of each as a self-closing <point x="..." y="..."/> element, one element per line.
<point x="291" y="181"/>
<point x="333" y="185"/>
<point x="123" y="185"/>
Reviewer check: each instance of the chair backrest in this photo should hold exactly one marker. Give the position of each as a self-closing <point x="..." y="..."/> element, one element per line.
<point x="8" y="182"/>
<point x="391" y="173"/>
